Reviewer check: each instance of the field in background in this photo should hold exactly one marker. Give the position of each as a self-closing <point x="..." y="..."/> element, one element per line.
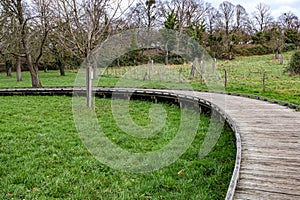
<point x="244" y="75"/>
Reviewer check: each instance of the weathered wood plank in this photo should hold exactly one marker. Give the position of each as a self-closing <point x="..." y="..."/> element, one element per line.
<point x="267" y="186"/>
<point x="270" y="135"/>
<point x="250" y="194"/>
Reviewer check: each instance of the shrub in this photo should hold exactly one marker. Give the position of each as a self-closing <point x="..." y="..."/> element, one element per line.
<point x="252" y="49"/>
<point x="260" y="50"/>
<point x="289" y="47"/>
<point x="294" y="66"/>
<point x="176" y="60"/>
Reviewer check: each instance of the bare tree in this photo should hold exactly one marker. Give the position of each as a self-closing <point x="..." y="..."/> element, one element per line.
<point x="289" y="21"/>
<point x="226" y="26"/>
<point x="150" y="4"/>
<point x="262" y="17"/>
<point x="212" y="17"/>
<point x="276" y="40"/>
<point x="243" y="26"/>
<point x="143" y="14"/>
<point x="84" y="24"/>
<point x="188" y="12"/>
<point x="242" y="18"/>
<point x="227" y="16"/>
<point x="33" y="30"/>
<point x="10" y="39"/>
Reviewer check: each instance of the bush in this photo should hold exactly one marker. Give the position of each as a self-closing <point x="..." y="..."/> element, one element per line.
<point x="260" y="50"/>
<point x="294" y="66"/>
<point x="176" y="60"/>
<point x="289" y="47"/>
<point x="252" y="49"/>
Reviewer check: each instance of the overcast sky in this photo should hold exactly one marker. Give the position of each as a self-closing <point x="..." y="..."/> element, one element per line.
<point x="278" y="7"/>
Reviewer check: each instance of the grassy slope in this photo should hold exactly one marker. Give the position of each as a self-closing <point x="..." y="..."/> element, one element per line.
<point x="244" y="76"/>
<point x="42" y="156"/>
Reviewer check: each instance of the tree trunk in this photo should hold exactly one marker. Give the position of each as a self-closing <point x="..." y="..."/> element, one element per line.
<point x="118" y="62"/>
<point x="194" y="67"/>
<point x="8" y="66"/>
<point x="166" y="58"/>
<point x="89" y="86"/>
<point x="61" y="66"/>
<point x="35" y="79"/>
<point x="45" y="69"/>
<point x="166" y="55"/>
<point x="19" y="69"/>
<point x="34" y="71"/>
<point x="62" y="70"/>
<point x="8" y="71"/>
<point x="276" y="54"/>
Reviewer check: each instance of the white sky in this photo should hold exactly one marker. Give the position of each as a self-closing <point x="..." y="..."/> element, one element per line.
<point x="278" y="7"/>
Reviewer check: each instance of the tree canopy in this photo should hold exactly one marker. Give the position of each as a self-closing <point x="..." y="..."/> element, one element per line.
<point x="63" y="32"/>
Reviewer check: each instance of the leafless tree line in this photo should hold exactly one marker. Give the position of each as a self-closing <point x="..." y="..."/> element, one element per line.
<point x="34" y="31"/>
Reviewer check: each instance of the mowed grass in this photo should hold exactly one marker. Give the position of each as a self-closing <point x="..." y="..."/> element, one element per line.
<point x="245" y="75"/>
<point x="42" y="156"/>
<point x="49" y="79"/>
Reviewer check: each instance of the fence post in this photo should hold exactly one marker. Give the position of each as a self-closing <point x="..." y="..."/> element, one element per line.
<point x="281" y="59"/>
<point x="264" y="81"/>
<point x="180" y="71"/>
<point x="201" y="73"/>
<point x="225" y="77"/>
<point x="213" y="65"/>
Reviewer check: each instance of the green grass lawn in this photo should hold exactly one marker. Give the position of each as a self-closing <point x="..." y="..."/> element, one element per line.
<point x="245" y="75"/>
<point x="42" y="156"/>
<point x="49" y="79"/>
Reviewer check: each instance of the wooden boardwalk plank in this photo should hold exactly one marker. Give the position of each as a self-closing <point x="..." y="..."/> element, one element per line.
<point x="270" y="135"/>
<point x="250" y="194"/>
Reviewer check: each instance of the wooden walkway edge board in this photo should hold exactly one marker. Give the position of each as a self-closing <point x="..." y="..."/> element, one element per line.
<point x="267" y="139"/>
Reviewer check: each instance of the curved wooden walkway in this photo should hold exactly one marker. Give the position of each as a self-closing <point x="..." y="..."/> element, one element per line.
<point x="268" y="139"/>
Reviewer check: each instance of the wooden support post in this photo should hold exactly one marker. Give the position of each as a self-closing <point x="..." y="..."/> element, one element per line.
<point x="213" y="65"/>
<point x="135" y="74"/>
<point x="225" y="77"/>
<point x="281" y="59"/>
<point x="201" y="72"/>
<point x="264" y="81"/>
<point x="179" y="78"/>
<point x="89" y="86"/>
